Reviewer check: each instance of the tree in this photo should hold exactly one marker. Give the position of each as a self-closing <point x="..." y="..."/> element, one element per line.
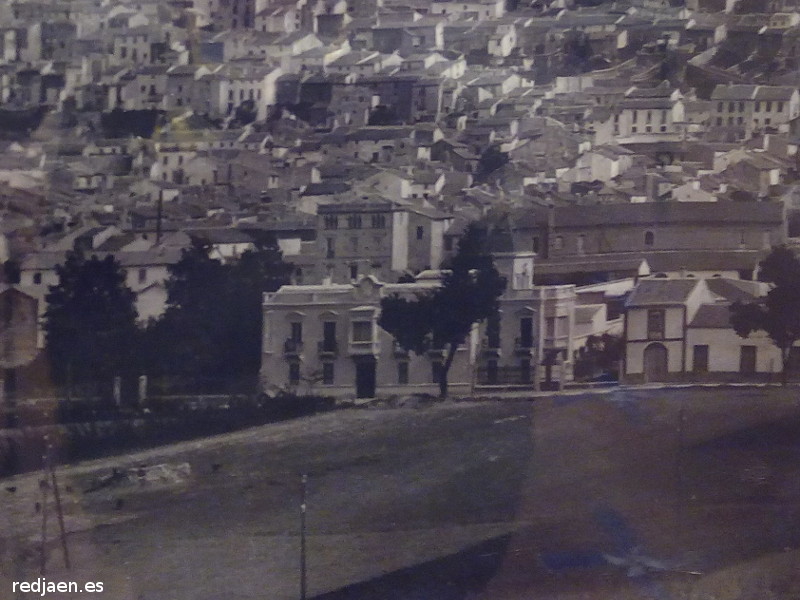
<point x="492" y="159"/>
<point x="778" y="313"/>
<point x="90" y="322"/>
<point x="601" y="354"/>
<point x="443" y="318"/>
<point x="211" y="329"/>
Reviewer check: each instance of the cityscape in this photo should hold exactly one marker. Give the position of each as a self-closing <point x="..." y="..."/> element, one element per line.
<point x="344" y="299"/>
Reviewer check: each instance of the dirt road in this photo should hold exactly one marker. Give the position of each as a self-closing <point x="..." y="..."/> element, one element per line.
<point x="630" y="494"/>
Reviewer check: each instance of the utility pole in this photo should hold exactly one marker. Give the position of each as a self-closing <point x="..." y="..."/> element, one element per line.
<point x="50" y="480"/>
<point x="304" y="481"/>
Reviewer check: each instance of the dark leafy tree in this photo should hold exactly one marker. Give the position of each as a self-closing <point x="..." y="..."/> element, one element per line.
<point x="11" y="271"/>
<point x="211" y="330"/>
<point x="778" y="313"/>
<point x="246" y="112"/>
<point x="90" y="323"/>
<point x="601" y="355"/>
<point x="442" y="319"/>
<point x="123" y="123"/>
<point x="492" y="159"/>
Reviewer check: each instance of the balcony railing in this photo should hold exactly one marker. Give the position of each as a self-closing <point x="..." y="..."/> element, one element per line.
<point x="292" y="347"/>
<point x="523" y="345"/>
<point x="327" y="348"/>
<point x="490" y="347"/>
<point x="398" y="351"/>
<point x="505" y="376"/>
<point x="362" y="348"/>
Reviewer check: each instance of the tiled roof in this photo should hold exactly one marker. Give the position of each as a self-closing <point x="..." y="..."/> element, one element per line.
<point x="652" y="213"/>
<point x="712" y="316"/>
<point x="661" y="292"/>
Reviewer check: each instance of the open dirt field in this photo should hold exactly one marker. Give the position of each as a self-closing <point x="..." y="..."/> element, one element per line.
<point x="672" y="494"/>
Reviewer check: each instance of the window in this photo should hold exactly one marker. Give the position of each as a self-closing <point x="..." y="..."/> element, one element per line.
<point x="535" y="247"/>
<point x="747" y="360"/>
<point x="329" y="336"/>
<point x="327" y="373"/>
<point x="769" y="106"/>
<point x="362" y="331"/>
<point x="294" y="373"/>
<point x="166" y="160"/>
<point x="354" y="221"/>
<point x="353" y="271"/>
<point x="142" y="275"/>
<point x="649" y="238"/>
<point x="37" y="278"/>
<point x="420" y="232"/>
<point x="720" y="106"/>
<point x="493" y="331"/>
<point x="758" y="106"/>
<point x="655" y="324"/>
<point x="741" y="106"/>
<point x="297" y="331"/>
<point x="402" y="372"/>
<point x="700" y="364"/>
<point x="330" y="249"/>
<point x="731" y="107"/>
<point x="379" y="221"/>
<point x="780" y="106"/>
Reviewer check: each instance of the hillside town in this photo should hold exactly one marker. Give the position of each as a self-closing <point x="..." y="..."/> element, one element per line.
<point x="631" y="162"/>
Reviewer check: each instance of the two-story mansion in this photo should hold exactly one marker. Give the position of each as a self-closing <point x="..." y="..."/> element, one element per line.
<point x="325" y="338"/>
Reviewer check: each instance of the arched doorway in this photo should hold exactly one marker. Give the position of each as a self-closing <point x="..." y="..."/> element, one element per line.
<point x="655" y="363"/>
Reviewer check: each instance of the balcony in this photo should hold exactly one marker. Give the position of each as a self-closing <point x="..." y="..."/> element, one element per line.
<point x="491" y="348"/>
<point x="523" y="346"/>
<point x="363" y="348"/>
<point x="328" y="349"/>
<point x="398" y="351"/>
<point x="292" y="347"/>
<point x="505" y="376"/>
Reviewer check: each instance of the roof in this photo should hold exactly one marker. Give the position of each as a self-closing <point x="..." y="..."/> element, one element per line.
<point x="712" y="316"/>
<point x="736" y="289"/>
<point x="660" y="292"/>
<point x="652" y="213"/>
<point x="221" y="236"/>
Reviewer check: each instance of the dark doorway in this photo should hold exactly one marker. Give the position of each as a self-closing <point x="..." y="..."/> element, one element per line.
<point x="526" y="332"/>
<point x="655" y="363"/>
<point x="365" y="377"/>
<point x="747" y="362"/>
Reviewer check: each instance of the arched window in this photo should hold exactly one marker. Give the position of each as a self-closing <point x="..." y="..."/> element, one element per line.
<point x="649" y="238"/>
